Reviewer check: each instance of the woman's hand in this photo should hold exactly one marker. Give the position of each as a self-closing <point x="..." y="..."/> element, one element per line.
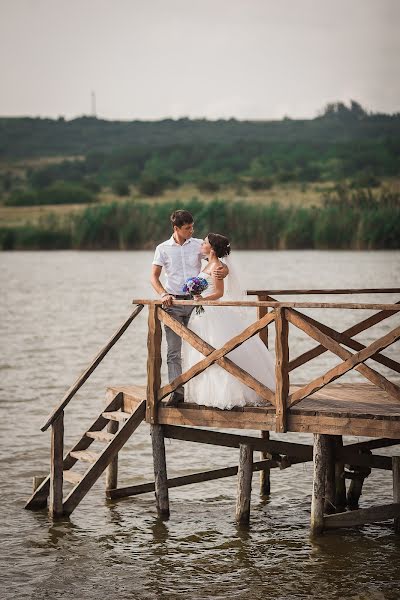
<point x="198" y="298"/>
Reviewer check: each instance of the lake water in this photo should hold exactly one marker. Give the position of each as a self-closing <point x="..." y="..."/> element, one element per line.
<point x="57" y="310"/>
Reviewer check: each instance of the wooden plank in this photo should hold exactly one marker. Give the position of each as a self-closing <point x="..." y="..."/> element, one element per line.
<point x="116" y="415"/>
<point x="317" y="334"/>
<point x="211" y="475"/>
<point x="340" y="483"/>
<point x="396" y="489"/>
<point x="89" y="370"/>
<point x="56" y="466"/>
<point x="38" y="499"/>
<point x="330" y="482"/>
<point x="362" y="516"/>
<point x="345" y="366"/>
<point x="245" y="473"/>
<point x="85" y="455"/>
<point x="324" y="291"/>
<point x="199" y="367"/>
<point x="153" y="364"/>
<point x="221" y="303"/>
<point x="371" y="427"/>
<point x="348" y="334"/>
<point x="227" y="364"/>
<point x="319" y="482"/>
<point x="100" y="436"/>
<point x="72" y="476"/>
<point x="228" y="419"/>
<point x="281" y="369"/>
<point x="373" y="444"/>
<point x="160" y="471"/>
<point x="96" y="469"/>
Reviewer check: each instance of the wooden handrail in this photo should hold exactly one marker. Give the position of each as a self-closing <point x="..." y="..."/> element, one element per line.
<point x="325" y="292"/>
<point x="254" y="303"/>
<point x="89" y="370"/>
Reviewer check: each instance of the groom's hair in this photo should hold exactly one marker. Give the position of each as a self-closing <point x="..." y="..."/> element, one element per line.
<point x="181" y="217"/>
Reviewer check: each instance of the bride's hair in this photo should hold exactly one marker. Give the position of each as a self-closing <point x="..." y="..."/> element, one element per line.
<point x="220" y="244"/>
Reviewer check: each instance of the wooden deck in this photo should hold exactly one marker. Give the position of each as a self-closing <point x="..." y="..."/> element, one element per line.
<point x="360" y="409"/>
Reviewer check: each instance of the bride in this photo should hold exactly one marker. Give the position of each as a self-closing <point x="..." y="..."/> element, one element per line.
<point x="215" y="386"/>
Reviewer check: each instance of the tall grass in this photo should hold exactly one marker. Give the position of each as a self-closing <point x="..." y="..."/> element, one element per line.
<point x="355" y="220"/>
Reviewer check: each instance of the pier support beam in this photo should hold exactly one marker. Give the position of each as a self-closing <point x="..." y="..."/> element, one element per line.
<point x="340" y="482"/>
<point x="160" y="471"/>
<point x="330" y="483"/>
<point x="396" y="488"/>
<point x="245" y="474"/>
<point x="112" y="469"/>
<point x="321" y="452"/>
<point x="56" y="467"/>
<point x="265" y="478"/>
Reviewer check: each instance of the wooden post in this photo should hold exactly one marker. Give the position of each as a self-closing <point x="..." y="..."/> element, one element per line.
<point x="318" y="493"/>
<point x="37" y="480"/>
<point x="265" y="475"/>
<point x="356" y="484"/>
<point x="245" y="473"/>
<point x="160" y="471"/>
<point x="330" y="484"/>
<point x="153" y="364"/>
<point x="56" y="466"/>
<point x="281" y="369"/>
<point x="340" y="482"/>
<point x="396" y="488"/>
<point x="112" y="469"/>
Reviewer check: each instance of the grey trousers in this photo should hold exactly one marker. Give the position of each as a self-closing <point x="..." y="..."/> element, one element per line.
<point x="174" y="342"/>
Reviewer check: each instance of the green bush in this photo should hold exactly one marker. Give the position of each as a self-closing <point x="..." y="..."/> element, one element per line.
<point x="264" y="183"/>
<point x="56" y="193"/>
<point x="208" y="185"/>
<point x="121" y="188"/>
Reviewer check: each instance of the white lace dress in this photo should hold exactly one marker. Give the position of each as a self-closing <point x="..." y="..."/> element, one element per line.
<point x="215" y="386"/>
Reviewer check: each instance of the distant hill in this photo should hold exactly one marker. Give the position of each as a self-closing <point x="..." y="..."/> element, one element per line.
<point x="33" y="137"/>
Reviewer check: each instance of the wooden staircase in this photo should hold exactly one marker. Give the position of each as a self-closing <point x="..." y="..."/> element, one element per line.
<point x="113" y="427"/>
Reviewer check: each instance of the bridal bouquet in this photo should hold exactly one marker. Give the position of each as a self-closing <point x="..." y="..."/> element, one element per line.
<point x="195" y="286"/>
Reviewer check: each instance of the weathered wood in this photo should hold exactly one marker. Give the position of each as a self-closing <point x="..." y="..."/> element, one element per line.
<point x="199" y="367"/>
<point x="112" y="469"/>
<point x="261" y="312"/>
<point x="373" y="444"/>
<point x="245" y="473"/>
<point x="38" y="499"/>
<point x="345" y="366"/>
<point x="330" y="482"/>
<point x="362" y="516"/>
<point x="222" y="303"/>
<point x="96" y="469"/>
<point x="85" y="455"/>
<point x="160" y="471"/>
<point x="37" y="481"/>
<point x="72" y="477"/>
<point x="144" y="488"/>
<point x="396" y="489"/>
<point x="340" y="483"/>
<point x="227" y="364"/>
<point x="153" y="364"/>
<point x="347" y="334"/>
<point x="357" y="482"/>
<point x="56" y="466"/>
<point x="116" y="415"/>
<point x="281" y="370"/>
<point x="89" y="370"/>
<point x="324" y="292"/>
<point x="319" y="481"/>
<point x="317" y="334"/>
<point x="265" y="477"/>
<point x="100" y="436"/>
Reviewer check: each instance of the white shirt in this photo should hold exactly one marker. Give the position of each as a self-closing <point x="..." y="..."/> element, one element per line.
<point x="179" y="262"/>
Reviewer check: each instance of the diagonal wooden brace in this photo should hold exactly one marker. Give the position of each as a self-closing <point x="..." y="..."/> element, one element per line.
<point x="311" y="328"/>
<point x="344" y="367"/>
<point x="215" y="355"/>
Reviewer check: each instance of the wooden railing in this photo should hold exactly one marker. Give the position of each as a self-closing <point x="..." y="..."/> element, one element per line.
<point x="269" y="311"/>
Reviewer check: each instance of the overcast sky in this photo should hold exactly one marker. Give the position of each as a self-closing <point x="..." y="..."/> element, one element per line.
<point x="151" y="59"/>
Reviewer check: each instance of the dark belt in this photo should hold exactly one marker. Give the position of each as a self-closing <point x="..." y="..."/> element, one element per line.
<point x="187" y="297"/>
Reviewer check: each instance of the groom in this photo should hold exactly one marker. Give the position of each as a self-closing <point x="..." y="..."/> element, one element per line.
<point x="180" y="256"/>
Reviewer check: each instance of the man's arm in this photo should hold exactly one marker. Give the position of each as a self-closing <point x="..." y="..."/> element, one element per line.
<point x="220" y="272"/>
<point x="157" y="285"/>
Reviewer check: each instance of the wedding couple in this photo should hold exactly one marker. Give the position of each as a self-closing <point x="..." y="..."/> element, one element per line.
<point x="181" y="257"/>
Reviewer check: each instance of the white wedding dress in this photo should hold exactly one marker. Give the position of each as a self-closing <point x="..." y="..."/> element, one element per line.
<point x="215" y="386"/>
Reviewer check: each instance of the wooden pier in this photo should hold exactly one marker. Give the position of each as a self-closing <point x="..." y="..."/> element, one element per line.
<point x="323" y="407"/>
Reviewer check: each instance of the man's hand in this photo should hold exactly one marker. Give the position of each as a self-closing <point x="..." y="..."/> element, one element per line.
<point x="167" y="300"/>
<point x="220" y="272"/>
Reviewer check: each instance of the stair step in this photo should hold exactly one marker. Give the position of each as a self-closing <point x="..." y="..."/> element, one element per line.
<point x="116" y="415"/>
<point x="100" y="436"/>
<point x="85" y="455"/>
<point x="72" y="477"/>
